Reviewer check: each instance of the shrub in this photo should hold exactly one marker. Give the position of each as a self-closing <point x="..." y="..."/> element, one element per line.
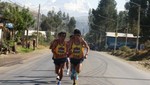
<point x="147" y="44"/>
<point x="125" y="49"/>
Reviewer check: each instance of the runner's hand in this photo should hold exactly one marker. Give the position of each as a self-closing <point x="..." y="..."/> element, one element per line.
<point x="85" y="57"/>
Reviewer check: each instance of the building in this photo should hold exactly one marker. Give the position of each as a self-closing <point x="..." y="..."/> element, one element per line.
<point x="31" y="32"/>
<point x="122" y="40"/>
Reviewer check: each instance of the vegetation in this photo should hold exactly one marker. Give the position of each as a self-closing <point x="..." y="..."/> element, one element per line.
<point x="22" y="19"/>
<point x="23" y="49"/>
<point x="101" y="20"/>
<point x="144" y="18"/>
<point x="56" y="22"/>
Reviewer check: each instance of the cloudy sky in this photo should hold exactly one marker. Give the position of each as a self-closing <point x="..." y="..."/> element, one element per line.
<point x="73" y="7"/>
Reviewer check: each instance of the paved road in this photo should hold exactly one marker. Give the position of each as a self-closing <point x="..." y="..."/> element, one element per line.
<point x="98" y="69"/>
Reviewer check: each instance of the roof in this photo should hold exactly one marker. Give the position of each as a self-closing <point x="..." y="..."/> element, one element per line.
<point x="30" y="32"/>
<point x="112" y="34"/>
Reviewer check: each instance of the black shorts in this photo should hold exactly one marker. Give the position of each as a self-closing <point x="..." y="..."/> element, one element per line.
<point x="59" y="61"/>
<point x="76" y="61"/>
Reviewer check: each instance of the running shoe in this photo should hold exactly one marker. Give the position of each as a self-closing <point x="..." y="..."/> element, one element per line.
<point x="76" y="76"/>
<point x="57" y="78"/>
<point x="72" y="74"/>
<point x="74" y="83"/>
<point x="67" y="71"/>
<point x="59" y="83"/>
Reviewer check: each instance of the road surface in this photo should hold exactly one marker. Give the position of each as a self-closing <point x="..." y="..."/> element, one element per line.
<point x="98" y="69"/>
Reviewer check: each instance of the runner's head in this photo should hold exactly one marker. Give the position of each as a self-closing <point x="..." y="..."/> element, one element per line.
<point x="62" y="35"/>
<point x="59" y="34"/>
<point x="77" y="32"/>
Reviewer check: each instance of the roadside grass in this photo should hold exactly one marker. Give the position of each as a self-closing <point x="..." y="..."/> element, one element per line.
<point x="24" y="50"/>
<point x="142" y="56"/>
<point x="21" y="49"/>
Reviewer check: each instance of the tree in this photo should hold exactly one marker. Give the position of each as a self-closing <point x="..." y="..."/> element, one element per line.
<point x="55" y="21"/>
<point x="60" y="14"/>
<point x="122" y="21"/>
<point x="103" y="19"/>
<point x="144" y="18"/>
<point x="21" y="18"/>
<point x="71" y="25"/>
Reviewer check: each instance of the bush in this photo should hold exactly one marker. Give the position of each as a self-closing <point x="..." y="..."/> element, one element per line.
<point x="147" y="44"/>
<point x="24" y="50"/>
<point x="125" y="49"/>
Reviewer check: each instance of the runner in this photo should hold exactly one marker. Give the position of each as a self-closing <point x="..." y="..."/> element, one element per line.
<point x="77" y="55"/>
<point x="55" y="40"/>
<point x="59" y="50"/>
<point x="68" y="60"/>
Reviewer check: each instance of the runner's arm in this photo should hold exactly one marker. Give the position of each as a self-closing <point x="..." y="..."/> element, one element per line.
<point x="86" y="46"/>
<point x="53" y="46"/>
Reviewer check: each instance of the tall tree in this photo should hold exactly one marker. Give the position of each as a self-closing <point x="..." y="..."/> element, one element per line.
<point x="132" y="6"/>
<point x="71" y="25"/>
<point x="103" y="19"/>
<point x="122" y="21"/>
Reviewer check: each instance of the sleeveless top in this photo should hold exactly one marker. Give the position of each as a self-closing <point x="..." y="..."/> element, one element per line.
<point x="61" y="50"/>
<point x="77" y="51"/>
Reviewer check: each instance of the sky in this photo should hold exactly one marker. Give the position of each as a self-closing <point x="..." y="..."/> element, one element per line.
<point x="73" y="7"/>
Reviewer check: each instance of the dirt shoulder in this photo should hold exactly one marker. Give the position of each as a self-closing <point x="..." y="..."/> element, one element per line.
<point x="12" y="59"/>
<point x="140" y="65"/>
<point x="137" y="64"/>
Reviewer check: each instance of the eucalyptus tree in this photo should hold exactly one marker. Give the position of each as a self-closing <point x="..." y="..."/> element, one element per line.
<point x="133" y="7"/>
<point x="103" y="19"/>
<point x="71" y="25"/>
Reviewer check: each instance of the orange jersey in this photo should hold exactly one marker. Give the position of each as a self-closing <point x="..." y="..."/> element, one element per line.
<point x="60" y="50"/>
<point x="77" y="51"/>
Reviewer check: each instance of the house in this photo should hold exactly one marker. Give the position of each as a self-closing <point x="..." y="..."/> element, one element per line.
<point x="30" y="33"/>
<point x="122" y="38"/>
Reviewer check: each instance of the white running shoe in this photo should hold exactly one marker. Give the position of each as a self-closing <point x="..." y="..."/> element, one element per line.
<point x="57" y="77"/>
<point x="68" y="71"/>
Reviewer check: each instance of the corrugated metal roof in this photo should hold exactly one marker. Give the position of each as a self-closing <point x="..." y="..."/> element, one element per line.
<point x="113" y="34"/>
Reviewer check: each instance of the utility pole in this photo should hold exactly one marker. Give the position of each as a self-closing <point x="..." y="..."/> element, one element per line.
<point x="116" y="35"/>
<point x="126" y="42"/>
<point x="37" y="37"/>
<point x="138" y="30"/>
<point x="138" y="24"/>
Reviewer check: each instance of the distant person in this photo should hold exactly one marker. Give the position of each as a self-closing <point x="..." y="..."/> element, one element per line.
<point x="142" y="47"/>
<point x="28" y="44"/>
<point x="34" y="44"/>
<point x="59" y="50"/>
<point x="77" y="55"/>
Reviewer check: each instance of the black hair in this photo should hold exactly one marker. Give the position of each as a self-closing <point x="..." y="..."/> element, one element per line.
<point x="63" y="34"/>
<point x="71" y="36"/>
<point x="59" y="34"/>
<point x="77" y="31"/>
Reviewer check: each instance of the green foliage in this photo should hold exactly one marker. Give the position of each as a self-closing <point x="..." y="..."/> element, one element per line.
<point x="55" y="22"/>
<point x="122" y="21"/>
<point x="132" y="7"/>
<point x="71" y="25"/>
<point x="24" y="50"/>
<point x="21" y="18"/>
<point x="125" y="49"/>
<point x="49" y="36"/>
<point x="124" y="52"/>
<point x="101" y="20"/>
